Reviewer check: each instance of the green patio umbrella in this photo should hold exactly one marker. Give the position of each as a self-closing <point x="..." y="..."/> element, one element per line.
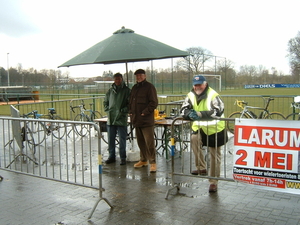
<point x="122" y="47"/>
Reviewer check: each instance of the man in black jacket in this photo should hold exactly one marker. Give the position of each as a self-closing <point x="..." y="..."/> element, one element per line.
<point x="143" y="101"/>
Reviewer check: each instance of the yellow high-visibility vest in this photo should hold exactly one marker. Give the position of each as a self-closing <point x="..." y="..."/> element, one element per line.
<point x="209" y="127"/>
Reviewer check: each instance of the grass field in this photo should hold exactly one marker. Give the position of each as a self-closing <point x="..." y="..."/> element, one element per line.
<point x="283" y="98"/>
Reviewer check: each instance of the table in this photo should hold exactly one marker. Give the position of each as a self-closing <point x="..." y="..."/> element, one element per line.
<point x="181" y="133"/>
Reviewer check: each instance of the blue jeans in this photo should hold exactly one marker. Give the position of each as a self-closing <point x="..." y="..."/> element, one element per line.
<point x="112" y="132"/>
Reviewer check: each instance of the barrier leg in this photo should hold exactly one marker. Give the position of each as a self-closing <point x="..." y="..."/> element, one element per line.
<point x="100" y="187"/>
<point x="172" y="173"/>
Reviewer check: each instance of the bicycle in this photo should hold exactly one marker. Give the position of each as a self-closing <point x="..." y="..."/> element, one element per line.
<point x="57" y="129"/>
<point x="83" y="129"/>
<point x="248" y="114"/>
<point x="39" y="130"/>
<point x="294" y="116"/>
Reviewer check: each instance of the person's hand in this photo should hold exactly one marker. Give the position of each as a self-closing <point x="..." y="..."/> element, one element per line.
<point x="193" y="115"/>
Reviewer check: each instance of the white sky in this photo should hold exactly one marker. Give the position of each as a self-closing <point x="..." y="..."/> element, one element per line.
<point x="45" y="34"/>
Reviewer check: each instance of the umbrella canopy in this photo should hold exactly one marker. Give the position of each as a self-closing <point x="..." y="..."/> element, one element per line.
<point x="125" y="46"/>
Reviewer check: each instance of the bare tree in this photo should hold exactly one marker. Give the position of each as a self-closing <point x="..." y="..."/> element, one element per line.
<point x="225" y="67"/>
<point x="195" y="61"/>
<point x="263" y="74"/>
<point x="294" y="56"/>
<point x="224" y="64"/>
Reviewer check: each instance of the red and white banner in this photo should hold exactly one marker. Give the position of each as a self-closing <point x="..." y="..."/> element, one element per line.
<point x="267" y="153"/>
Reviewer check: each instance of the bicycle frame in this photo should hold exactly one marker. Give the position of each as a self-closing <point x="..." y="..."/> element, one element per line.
<point x="82" y="130"/>
<point x="90" y="116"/>
<point x="249" y="114"/>
<point x="41" y="129"/>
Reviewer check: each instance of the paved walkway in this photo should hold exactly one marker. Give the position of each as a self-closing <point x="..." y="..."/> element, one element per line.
<point x="138" y="197"/>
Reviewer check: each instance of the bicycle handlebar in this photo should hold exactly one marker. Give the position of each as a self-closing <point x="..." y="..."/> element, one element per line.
<point x="240" y="103"/>
<point x="77" y="106"/>
<point x="72" y="108"/>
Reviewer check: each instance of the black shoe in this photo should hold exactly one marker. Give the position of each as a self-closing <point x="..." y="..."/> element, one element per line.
<point x="123" y="162"/>
<point x="110" y="161"/>
<point x="195" y="172"/>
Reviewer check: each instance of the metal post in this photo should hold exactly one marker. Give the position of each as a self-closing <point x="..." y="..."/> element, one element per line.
<point x="22" y="78"/>
<point x="225" y="73"/>
<point x="203" y="62"/>
<point x="7" y="71"/>
<point x="189" y="71"/>
<point x="127" y="74"/>
<point x="172" y="76"/>
<point x="152" y="74"/>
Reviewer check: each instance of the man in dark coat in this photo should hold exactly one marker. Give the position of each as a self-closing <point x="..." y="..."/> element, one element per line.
<point x="143" y="101"/>
<point x="116" y="106"/>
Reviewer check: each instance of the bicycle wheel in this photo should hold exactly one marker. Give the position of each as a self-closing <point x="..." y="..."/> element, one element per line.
<point x="38" y="131"/>
<point x="293" y="116"/>
<point x="57" y="129"/>
<point x="275" y="116"/>
<point x="27" y="137"/>
<point x="230" y="124"/>
<point x="81" y="129"/>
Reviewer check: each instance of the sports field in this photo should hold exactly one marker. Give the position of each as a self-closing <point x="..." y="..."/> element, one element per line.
<point x="283" y="98"/>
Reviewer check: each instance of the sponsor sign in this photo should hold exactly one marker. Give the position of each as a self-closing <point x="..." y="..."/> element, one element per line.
<point x="267" y="154"/>
<point x="249" y="86"/>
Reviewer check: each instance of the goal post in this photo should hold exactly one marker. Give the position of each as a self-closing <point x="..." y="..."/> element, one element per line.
<point x="217" y="77"/>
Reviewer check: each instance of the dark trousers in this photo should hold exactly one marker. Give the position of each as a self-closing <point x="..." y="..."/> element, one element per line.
<point x="112" y="132"/>
<point x="145" y="140"/>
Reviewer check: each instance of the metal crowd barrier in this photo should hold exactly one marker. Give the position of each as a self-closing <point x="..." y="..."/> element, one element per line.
<point x="60" y="154"/>
<point x="62" y="107"/>
<point x="186" y="164"/>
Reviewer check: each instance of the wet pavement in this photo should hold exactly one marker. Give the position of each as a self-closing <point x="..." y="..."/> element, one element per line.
<point x="138" y="197"/>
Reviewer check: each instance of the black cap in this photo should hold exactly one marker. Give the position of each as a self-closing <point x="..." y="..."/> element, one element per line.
<point x="139" y="71"/>
<point x="118" y="75"/>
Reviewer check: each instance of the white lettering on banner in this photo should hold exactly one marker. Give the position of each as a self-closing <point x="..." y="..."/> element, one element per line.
<point x="273" y="160"/>
<point x="268" y="138"/>
<point x="267" y="85"/>
<point x="294" y="137"/>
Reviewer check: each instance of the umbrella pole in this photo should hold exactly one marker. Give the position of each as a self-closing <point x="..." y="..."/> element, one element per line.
<point x="127" y="74"/>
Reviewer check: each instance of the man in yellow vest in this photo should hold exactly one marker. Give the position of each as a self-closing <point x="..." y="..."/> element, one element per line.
<point x="203" y="105"/>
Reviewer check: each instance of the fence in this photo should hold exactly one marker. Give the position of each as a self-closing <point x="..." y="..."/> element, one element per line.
<point x="187" y="162"/>
<point x="70" y="157"/>
<point x="59" y="150"/>
<point x="30" y="146"/>
<point x="53" y="150"/>
<point x="281" y="104"/>
<point x="62" y="107"/>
